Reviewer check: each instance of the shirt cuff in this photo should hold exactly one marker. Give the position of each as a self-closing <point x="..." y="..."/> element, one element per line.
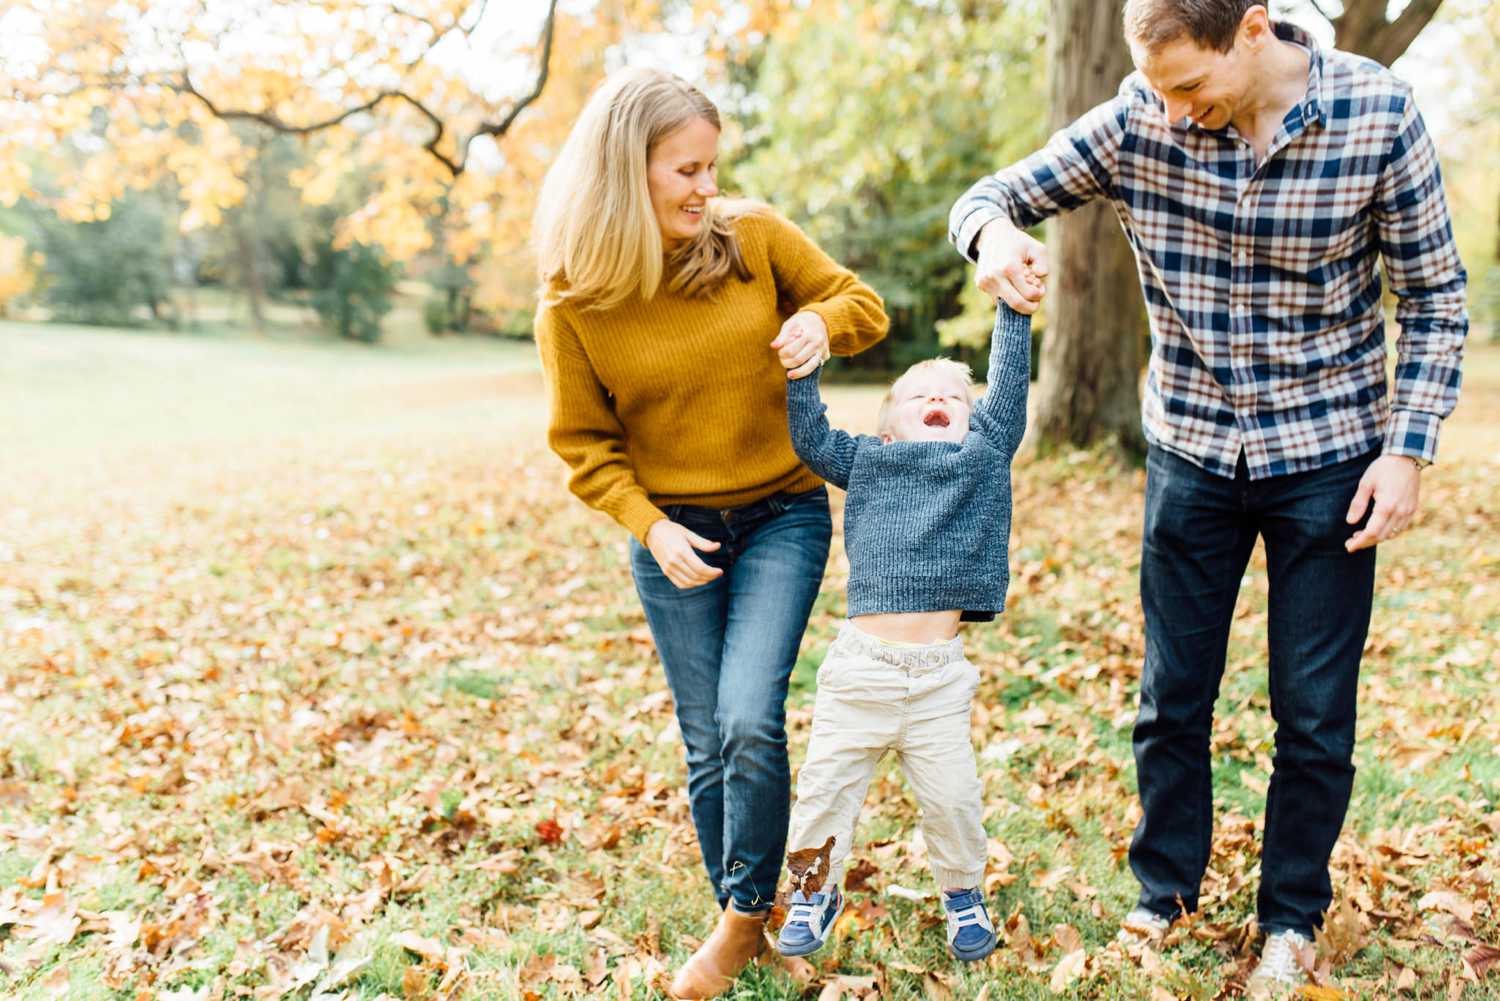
<point x="1414" y="433"/>
<point x="967" y="237"/>
<point x="638" y="515"/>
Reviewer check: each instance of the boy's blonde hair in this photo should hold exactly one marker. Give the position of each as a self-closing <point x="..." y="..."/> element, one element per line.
<point x="596" y="236"/>
<point x="945" y="366"/>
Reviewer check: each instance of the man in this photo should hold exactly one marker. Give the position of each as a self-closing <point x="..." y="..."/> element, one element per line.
<point x="1259" y="180"/>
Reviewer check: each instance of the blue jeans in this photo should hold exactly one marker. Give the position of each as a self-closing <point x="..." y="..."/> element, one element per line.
<point x="1199" y="533"/>
<point x="728" y="647"/>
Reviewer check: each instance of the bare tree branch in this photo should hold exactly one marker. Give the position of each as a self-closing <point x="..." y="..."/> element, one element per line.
<point x="184" y="84"/>
<point x="1363" y="29"/>
<point x="1318" y="6"/>
<point x="503" y="126"/>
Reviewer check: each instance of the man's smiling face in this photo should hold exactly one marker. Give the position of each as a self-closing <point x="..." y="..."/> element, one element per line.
<point x="1194" y="82"/>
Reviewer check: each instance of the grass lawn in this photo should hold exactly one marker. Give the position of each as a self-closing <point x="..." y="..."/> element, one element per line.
<point x="315" y="681"/>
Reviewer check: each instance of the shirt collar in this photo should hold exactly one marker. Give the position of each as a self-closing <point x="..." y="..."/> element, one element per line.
<point x="1314" y="108"/>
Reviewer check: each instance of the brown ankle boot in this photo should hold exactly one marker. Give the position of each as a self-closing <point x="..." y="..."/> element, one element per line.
<point x="736" y="940"/>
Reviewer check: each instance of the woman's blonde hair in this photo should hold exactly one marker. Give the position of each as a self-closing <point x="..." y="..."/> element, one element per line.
<point x="596" y="236"/>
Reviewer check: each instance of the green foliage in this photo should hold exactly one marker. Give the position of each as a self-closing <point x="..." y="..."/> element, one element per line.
<point x="102" y="272"/>
<point x="261" y="240"/>
<point x="352" y="288"/>
<point x="451" y="309"/>
<point x="873" y="119"/>
<point x="436" y="315"/>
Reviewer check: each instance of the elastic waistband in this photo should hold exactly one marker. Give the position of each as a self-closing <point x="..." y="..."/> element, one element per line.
<point x="853" y="640"/>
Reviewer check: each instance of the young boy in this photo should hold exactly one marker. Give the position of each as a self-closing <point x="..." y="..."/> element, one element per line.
<point x="927" y="531"/>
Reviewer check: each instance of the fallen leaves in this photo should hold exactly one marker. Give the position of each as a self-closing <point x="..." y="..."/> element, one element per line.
<point x="445" y="754"/>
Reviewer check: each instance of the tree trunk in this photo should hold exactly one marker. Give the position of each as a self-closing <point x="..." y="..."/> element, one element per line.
<point x="1091" y="357"/>
<point x="1363" y="29"/>
<point x="250" y="276"/>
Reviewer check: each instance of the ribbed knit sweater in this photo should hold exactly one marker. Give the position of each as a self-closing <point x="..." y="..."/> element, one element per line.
<point x="681" y="401"/>
<point x="927" y="523"/>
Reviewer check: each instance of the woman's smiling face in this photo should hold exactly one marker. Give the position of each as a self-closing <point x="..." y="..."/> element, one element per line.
<point x="682" y="175"/>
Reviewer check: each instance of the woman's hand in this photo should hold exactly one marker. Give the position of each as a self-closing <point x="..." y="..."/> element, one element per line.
<point x="802" y="344"/>
<point x="673" y="547"/>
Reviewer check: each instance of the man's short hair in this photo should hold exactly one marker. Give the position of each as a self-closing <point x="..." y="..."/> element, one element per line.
<point x="1211" y="24"/>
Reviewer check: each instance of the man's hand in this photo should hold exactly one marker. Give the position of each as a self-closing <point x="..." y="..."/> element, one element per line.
<point x="672" y="545"/>
<point x="802" y="344"/>
<point x="1394" y="483"/>
<point x="1012" y="266"/>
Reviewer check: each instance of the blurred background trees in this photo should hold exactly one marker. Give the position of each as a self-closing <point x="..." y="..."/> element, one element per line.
<point x="280" y="166"/>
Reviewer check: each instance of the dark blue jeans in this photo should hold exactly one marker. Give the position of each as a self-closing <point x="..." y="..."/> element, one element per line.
<point x="728" y="648"/>
<point x="1199" y="532"/>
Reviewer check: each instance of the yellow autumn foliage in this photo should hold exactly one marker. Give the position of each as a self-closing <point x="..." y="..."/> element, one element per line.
<point x="18" y="270"/>
<point x="104" y="96"/>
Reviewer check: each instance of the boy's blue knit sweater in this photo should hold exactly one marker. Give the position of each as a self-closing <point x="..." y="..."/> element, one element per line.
<point x="927" y="523"/>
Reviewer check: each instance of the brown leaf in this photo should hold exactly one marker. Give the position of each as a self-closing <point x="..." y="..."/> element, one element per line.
<point x="1345" y="931"/>
<point x="1450" y="902"/>
<point x="1312" y="992"/>
<point x="597" y="970"/>
<point x="839" y="986"/>
<point x="935" y="987"/>
<point x="415" y="983"/>
<point x="54" y="923"/>
<point x="1068" y="970"/>
<point x="428" y="949"/>
<point x="858" y="876"/>
<point x="1482" y="959"/>
<point x="808" y="867"/>
<point x="800" y="970"/>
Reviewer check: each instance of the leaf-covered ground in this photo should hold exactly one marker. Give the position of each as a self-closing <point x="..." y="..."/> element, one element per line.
<point x="315" y="681"/>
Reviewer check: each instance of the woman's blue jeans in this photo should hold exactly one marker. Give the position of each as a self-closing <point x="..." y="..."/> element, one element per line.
<point x="1199" y="532"/>
<point x="728" y="648"/>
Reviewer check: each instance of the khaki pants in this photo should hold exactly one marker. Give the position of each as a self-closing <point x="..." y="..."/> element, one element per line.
<point x="875" y="697"/>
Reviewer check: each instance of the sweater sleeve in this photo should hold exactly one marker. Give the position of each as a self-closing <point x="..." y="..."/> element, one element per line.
<point x="808" y="279"/>
<point x="584" y="430"/>
<point x="1001" y="415"/>
<point x="827" y="451"/>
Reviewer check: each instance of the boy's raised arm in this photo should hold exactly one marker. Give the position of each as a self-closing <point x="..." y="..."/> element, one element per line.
<point x="1001" y="415"/>
<point x="827" y="451"/>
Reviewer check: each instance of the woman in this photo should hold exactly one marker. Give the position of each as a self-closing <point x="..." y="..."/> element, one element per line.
<point x="659" y="309"/>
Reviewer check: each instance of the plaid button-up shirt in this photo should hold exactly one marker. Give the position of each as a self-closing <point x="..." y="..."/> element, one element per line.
<point x="1268" y="337"/>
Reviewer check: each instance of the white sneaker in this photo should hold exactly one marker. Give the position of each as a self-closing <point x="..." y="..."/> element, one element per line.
<point x="1144" y="925"/>
<point x="1280" y="968"/>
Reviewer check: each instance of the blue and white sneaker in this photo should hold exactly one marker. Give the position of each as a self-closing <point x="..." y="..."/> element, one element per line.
<point x="971" y="936"/>
<point x="808" y="922"/>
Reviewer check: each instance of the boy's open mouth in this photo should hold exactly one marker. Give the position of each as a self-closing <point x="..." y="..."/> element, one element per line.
<point x="936" y="419"/>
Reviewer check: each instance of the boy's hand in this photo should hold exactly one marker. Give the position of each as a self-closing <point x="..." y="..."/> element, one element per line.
<point x="1012" y="266"/>
<point x="802" y="344"/>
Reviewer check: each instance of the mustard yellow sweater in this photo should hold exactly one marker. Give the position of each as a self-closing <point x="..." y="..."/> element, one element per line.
<point x="682" y="401"/>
